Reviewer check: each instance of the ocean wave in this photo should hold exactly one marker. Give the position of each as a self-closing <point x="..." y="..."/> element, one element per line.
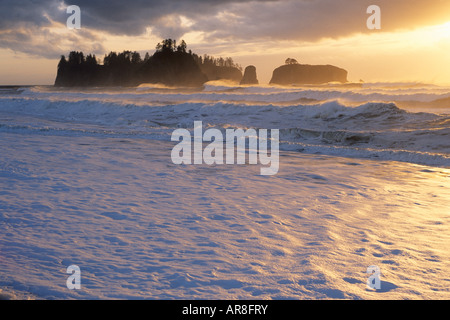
<point x="368" y="129"/>
<point x="330" y="114"/>
<point x="407" y="97"/>
<point x="416" y="157"/>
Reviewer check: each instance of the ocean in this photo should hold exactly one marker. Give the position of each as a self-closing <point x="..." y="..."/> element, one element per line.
<point x="86" y="179"/>
<point x="398" y="122"/>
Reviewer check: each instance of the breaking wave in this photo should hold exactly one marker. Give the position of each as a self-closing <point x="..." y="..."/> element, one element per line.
<point x="404" y="123"/>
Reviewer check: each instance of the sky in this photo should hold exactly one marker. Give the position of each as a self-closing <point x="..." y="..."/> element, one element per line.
<point x="413" y="43"/>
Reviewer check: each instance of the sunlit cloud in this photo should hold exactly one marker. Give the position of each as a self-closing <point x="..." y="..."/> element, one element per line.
<point x="51" y="41"/>
<point x="319" y="31"/>
<point x="233" y="20"/>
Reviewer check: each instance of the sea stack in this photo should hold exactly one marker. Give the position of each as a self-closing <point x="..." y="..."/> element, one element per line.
<point x="295" y="74"/>
<point x="249" y="76"/>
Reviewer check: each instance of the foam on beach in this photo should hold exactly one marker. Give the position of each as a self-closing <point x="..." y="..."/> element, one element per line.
<point x="86" y="179"/>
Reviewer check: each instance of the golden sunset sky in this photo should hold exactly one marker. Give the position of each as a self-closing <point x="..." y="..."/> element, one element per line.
<point x="412" y="45"/>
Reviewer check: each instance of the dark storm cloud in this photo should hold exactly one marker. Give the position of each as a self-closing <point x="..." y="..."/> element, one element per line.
<point x="23" y="21"/>
<point x="132" y="17"/>
<point x="242" y="20"/>
<point x="129" y="17"/>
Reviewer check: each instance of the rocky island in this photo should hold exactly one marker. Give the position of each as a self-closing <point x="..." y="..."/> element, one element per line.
<point x="293" y="73"/>
<point x="249" y="76"/>
<point x="171" y="65"/>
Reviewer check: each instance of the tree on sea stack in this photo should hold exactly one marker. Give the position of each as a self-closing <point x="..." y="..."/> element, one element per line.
<point x="290" y="61"/>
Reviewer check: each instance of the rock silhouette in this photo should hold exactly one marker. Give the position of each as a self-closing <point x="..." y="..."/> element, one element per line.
<point x="222" y="73"/>
<point x="170" y="65"/>
<point x="249" y="76"/>
<point x="219" y="68"/>
<point x="307" y="74"/>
